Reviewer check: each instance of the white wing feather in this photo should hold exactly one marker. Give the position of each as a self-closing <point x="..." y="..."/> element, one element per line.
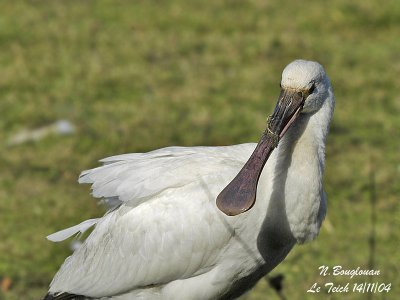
<point x="136" y="177"/>
<point x="165" y="228"/>
<point x="68" y="232"/>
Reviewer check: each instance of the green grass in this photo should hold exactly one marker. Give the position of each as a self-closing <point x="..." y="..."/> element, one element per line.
<point x="134" y="76"/>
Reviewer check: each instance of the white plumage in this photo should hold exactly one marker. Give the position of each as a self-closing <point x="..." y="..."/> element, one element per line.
<point x="165" y="238"/>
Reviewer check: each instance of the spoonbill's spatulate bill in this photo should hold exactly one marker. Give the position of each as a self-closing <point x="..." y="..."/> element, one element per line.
<point x="206" y="222"/>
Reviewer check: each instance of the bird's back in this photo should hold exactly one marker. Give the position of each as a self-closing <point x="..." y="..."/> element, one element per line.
<point x="167" y="226"/>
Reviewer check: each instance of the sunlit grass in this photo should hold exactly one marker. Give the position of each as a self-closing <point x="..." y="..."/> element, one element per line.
<point x="134" y="76"/>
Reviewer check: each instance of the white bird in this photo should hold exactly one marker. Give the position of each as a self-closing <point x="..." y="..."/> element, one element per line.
<point x="174" y="235"/>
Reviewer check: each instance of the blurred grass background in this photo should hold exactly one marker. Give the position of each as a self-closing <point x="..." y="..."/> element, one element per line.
<point x="135" y="76"/>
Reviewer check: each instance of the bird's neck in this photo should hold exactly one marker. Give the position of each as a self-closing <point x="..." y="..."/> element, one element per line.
<point x="299" y="170"/>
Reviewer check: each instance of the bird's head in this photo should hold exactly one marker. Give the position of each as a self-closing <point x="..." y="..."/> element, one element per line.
<point x="304" y="88"/>
<point x="309" y="79"/>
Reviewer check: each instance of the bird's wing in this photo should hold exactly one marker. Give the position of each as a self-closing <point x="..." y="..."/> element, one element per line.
<point x="136" y="177"/>
<point x="177" y="233"/>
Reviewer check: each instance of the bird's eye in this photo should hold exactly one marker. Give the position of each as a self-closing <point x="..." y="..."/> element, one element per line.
<point x="280" y="85"/>
<point x="312" y="88"/>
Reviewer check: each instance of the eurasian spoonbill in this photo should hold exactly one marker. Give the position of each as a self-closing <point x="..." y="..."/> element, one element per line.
<point x="185" y="223"/>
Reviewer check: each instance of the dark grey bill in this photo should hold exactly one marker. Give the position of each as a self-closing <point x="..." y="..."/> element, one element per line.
<point x="240" y="194"/>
